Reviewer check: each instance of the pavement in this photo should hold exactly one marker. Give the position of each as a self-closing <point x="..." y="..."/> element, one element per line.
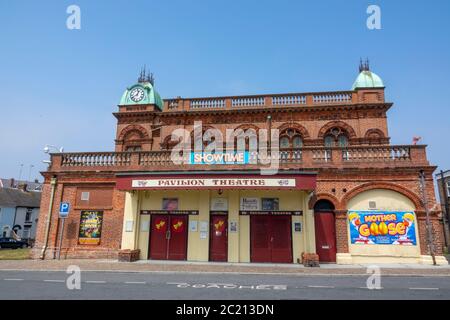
<point x="210" y="267"/>
<point x="175" y="280"/>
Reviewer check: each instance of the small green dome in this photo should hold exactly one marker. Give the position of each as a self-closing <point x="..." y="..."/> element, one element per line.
<point x="141" y="93"/>
<point x="368" y="79"/>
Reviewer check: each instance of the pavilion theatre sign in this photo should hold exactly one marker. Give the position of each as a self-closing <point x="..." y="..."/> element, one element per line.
<point x="214" y="183"/>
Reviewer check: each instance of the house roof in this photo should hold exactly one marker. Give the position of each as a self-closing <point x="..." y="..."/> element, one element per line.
<point x="18" y="198"/>
<point x="11" y="183"/>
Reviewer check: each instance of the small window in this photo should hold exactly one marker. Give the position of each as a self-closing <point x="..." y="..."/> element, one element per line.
<point x="270" y="204"/>
<point x="85" y="196"/>
<point x="29" y="215"/>
<point x="170" y="204"/>
<point x="343" y="141"/>
<point x="329" y="141"/>
<point x="133" y="148"/>
<point x="284" y="142"/>
<point x="297" y="142"/>
<point x="448" y="189"/>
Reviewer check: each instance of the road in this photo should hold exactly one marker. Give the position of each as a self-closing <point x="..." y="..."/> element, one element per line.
<point x="220" y="286"/>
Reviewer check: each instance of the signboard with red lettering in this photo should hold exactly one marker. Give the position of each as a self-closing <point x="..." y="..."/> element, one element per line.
<point x="217" y="182"/>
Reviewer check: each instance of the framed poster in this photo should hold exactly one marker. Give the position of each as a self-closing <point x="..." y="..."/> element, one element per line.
<point x="219" y="204"/>
<point x="170" y="204"/>
<point x="382" y="227"/>
<point x="270" y="204"/>
<point x="193" y="226"/>
<point x="90" y="227"/>
<point x="249" y="204"/>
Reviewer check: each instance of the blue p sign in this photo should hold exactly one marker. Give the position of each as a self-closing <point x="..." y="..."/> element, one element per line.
<point x="64" y="208"/>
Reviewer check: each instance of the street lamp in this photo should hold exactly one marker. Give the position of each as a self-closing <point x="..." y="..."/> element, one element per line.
<point x="47" y="150"/>
<point x="48" y="146"/>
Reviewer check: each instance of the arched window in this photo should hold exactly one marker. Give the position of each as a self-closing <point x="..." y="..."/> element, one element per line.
<point x="291" y="139"/>
<point x="336" y="137"/>
<point x="291" y="143"/>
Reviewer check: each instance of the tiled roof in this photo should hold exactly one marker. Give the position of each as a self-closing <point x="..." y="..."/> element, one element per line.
<point x="18" y="198"/>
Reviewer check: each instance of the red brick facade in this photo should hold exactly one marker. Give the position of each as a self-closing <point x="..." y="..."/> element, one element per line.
<point x="366" y="164"/>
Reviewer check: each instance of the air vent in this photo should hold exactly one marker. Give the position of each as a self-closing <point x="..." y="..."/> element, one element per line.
<point x="372" y="205"/>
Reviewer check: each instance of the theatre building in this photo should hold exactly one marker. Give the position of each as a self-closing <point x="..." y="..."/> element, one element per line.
<point x="337" y="187"/>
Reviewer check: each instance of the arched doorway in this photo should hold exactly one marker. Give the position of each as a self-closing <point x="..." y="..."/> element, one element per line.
<point x="325" y="229"/>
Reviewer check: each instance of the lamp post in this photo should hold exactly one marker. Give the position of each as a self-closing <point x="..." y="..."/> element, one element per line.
<point x="47" y="149"/>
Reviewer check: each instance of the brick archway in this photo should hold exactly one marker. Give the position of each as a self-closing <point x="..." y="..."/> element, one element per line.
<point x="382" y="185"/>
<point x="324" y="196"/>
<point x="296" y="126"/>
<point x="337" y="124"/>
<point x="140" y="130"/>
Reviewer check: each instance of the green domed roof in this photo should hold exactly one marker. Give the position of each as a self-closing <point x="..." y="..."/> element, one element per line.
<point x="141" y="93"/>
<point x="368" y="79"/>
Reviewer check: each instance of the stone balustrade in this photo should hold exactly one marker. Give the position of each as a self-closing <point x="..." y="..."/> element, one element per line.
<point x="304" y="158"/>
<point x="277" y="100"/>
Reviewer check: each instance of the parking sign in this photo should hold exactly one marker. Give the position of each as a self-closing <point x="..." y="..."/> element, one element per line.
<point x="64" y="208"/>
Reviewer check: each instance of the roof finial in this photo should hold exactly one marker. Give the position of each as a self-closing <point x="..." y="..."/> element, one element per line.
<point x="144" y="77"/>
<point x="363" y="66"/>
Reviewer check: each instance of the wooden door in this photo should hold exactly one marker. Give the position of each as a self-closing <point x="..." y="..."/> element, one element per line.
<point x="218" y="245"/>
<point x="325" y="228"/>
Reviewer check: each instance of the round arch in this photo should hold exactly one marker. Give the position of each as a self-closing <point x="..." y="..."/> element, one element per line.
<point x="142" y="132"/>
<point x="324" y="196"/>
<point x="337" y="124"/>
<point x="383" y="185"/>
<point x="296" y="126"/>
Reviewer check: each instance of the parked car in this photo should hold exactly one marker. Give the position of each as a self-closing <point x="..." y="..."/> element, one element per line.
<point x="12" y="243"/>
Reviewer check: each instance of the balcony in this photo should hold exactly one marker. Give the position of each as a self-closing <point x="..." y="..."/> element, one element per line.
<point x="307" y="158"/>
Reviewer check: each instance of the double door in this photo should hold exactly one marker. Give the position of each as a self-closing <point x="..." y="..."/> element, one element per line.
<point x="271" y="239"/>
<point x="168" y="237"/>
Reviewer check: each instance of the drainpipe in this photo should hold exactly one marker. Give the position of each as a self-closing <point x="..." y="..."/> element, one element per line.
<point x="49" y="217"/>
<point x="428" y="222"/>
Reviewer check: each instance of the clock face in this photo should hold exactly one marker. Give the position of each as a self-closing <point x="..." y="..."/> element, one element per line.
<point x="137" y="94"/>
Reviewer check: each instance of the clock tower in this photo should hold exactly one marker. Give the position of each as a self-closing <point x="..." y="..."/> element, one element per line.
<point x="137" y="118"/>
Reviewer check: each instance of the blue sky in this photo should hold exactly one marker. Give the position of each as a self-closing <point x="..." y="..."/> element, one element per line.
<point x="60" y="86"/>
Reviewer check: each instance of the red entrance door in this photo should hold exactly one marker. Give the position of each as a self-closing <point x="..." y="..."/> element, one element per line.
<point x="168" y="237"/>
<point x="271" y="239"/>
<point x="325" y="236"/>
<point x="218" y="245"/>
